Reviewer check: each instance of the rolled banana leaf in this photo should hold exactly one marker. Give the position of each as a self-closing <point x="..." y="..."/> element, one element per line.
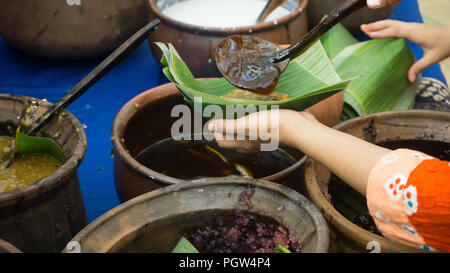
<point x="307" y="80"/>
<point x="382" y="65"/>
<point x="336" y="39"/>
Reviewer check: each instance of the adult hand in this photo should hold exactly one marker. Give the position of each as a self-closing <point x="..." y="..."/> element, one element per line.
<point x="375" y="4"/>
<point x="435" y="40"/>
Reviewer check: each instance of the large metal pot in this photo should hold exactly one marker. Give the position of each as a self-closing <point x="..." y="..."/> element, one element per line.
<point x="70" y="29"/>
<point x="155" y="221"/>
<point x="318" y="8"/>
<point x="45" y="215"/>
<point x="375" y="128"/>
<point x="197" y="45"/>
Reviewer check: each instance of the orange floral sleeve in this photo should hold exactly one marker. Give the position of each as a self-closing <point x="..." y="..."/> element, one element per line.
<point x="408" y="195"/>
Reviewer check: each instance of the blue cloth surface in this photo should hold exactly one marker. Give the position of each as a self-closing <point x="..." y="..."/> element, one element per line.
<point x="42" y="78"/>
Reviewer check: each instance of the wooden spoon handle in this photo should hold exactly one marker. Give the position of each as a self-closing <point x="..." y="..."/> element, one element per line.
<point x="328" y="21"/>
<point x="104" y="67"/>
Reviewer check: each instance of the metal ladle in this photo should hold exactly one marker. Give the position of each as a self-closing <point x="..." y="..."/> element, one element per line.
<point x="255" y="64"/>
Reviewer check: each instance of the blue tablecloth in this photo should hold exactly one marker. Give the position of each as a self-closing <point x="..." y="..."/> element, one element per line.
<point x="41" y="78"/>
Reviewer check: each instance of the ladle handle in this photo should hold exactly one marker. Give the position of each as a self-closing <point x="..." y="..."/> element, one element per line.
<point x="99" y="71"/>
<point x="326" y="23"/>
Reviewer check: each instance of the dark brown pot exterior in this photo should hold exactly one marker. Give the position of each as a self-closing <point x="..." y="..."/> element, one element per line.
<point x="374" y="128"/>
<point x="318" y="8"/>
<point x="146" y="119"/>
<point x="44" y="216"/>
<point x="56" y="29"/>
<point x="139" y="224"/>
<point x="197" y="45"/>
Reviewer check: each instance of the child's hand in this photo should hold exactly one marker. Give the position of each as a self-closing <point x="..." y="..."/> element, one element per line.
<point x="375" y="4"/>
<point x="260" y="126"/>
<point x="435" y="40"/>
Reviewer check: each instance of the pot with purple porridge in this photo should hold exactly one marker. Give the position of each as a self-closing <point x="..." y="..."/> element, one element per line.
<point x="220" y="215"/>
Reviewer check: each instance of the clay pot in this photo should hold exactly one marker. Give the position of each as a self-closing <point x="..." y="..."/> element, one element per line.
<point x="71" y="29"/>
<point x="146" y="119"/>
<point x="6" y="247"/>
<point x="139" y="224"/>
<point x="197" y="45"/>
<point x="375" y="128"/>
<point x="318" y="8"/>
<point x="44" y="216"/>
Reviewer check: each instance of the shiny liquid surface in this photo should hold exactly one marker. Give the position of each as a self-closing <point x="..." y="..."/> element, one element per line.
<point x="241" y="60"/>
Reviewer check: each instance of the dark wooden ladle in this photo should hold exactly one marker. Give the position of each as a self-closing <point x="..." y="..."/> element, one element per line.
<point x="95" y="75"/>
<point x="255" y="64"/>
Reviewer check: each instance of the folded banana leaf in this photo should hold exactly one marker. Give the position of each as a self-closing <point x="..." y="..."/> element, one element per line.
<point x="307" y="80"/>
<point x="382" y="65"/>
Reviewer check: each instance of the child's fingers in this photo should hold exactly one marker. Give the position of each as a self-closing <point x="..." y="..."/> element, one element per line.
<point x="419" y="66"/>
<point x="374" y="4"/>
<point x="223" y="126"/>
<point x="389" y="29"/>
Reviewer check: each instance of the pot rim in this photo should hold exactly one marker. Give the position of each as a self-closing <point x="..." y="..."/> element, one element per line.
<point x="337" y="219"/>
<point x="10" y="248"/>
<point x="50" y="182"/>
<point x="214" y="31"/>
<point x="313" y="212"/>
<point x="127" y="112"/>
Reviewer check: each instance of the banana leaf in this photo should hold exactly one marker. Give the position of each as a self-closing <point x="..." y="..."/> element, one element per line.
<point x="184" y="246"/>
<point x="307" y="80"/>
<point x="382" y="65"/>
<point x="384" y="86"/>
<point x="336" y="39"/>
<point x="38" y="145"/>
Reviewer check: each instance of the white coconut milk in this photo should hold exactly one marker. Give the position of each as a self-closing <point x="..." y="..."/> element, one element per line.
<point x="221" y="13"/>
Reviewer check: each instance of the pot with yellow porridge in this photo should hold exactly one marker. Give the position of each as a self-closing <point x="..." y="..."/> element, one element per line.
<point x="41" y="207"/>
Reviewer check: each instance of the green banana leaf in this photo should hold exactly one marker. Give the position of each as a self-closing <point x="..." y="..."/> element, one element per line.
<point x="336" y="39"/>
<point x="184" y="246"/>
<point x="307" y="80"/>
<point x="38" y="145"/>
<point x="384" y="86"/>
<point x="282" y="249"/>
<point x="382" y="65"/>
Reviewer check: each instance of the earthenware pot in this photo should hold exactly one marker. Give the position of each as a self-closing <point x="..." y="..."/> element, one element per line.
<point x="155" y="221"/>
<point x="197" y="45"/>
<point x="6" y="247"/>
<point x="375" y="128"/>
<point x="146" y="119"/>
<point x="45" y="215"/>
<point x="318" y="8"/>
<point x="71" y="29"/>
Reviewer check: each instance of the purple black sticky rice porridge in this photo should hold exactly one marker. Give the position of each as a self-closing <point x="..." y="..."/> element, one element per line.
<point x="250" y="233"/>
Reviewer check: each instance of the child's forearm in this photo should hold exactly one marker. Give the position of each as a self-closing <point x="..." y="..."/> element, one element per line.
<point x="347" y="156"/>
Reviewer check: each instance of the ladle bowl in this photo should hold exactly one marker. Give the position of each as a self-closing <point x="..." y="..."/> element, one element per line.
<point x="197" y="44"/>
<point x="256" y="65"/>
